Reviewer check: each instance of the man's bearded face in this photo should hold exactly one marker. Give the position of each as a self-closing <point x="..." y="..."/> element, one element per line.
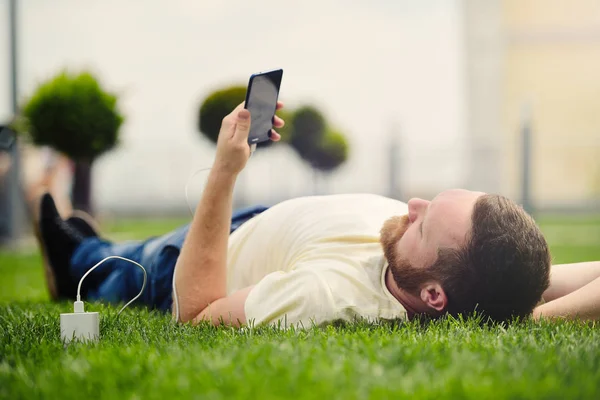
<point x="405" y="275"/>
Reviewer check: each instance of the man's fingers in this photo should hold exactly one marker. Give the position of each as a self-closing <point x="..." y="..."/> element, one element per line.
<point x="278" y="122"/>
<point x="276" y="137"/>
<point x="241" y="118"/>
<point x="242" y="126"/>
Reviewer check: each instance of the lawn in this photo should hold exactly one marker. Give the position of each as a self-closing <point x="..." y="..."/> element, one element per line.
<point x="142" y="355"/>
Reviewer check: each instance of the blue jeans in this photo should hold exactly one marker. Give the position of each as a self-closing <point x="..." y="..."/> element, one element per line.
<point x="118" y="281"/>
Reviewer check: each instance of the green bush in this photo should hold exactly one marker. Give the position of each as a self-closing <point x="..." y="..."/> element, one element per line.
<point x="74" y="115"/>
<point x="330" y="152"/>
<point x="321" y="147"/>
<point x="308" y="127"/>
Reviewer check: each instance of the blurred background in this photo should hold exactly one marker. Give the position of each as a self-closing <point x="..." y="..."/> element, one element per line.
<point x="403" y="98"/>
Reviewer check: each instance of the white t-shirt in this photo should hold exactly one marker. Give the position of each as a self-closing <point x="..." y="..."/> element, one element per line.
<point x="314" y="260"/>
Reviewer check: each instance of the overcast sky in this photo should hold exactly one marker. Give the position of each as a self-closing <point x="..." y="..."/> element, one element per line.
<point x="374" y="67"/>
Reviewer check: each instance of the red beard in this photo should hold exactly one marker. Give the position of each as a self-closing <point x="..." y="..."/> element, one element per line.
<point x="405" y="275"/>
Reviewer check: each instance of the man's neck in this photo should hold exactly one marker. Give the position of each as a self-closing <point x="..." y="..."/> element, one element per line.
<point x="411" y="303"/>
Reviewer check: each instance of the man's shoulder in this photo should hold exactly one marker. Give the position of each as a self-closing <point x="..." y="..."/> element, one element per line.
<point x="365" y="195"/>
<point x="358" y="198"/>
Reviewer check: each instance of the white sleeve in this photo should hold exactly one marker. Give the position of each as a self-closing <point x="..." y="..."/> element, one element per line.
<point x="300" y="298"/>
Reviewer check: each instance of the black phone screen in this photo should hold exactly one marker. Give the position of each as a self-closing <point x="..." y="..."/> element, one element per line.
<point x="261" y="101"/>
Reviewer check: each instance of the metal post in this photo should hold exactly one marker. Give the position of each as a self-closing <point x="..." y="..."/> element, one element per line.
<point x="12" y="208"/>
<point x="394" y="166"/>
<point x="526" y="154"/>
<point x="13" y="53"/>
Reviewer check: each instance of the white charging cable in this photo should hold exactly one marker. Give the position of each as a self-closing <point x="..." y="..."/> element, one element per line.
<point x="187" y="200"/>
<point x="187" y="184"/>
<point x="78" y="306"/>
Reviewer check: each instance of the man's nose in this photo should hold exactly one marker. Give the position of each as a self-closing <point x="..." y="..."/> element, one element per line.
<point x="416" y="208"/>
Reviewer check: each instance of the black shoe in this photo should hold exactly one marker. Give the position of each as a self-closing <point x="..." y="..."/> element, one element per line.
<point x="58" y="240"/>
<point x="84" y="223"/>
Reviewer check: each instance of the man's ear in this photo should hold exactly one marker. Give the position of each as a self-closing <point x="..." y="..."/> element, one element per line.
<point x="433" y="295"/>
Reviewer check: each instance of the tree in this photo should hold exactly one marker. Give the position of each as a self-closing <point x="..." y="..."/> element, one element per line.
<point x="215" y="107"/>
<point x="72" y="114"/>
<point x="307" y="129"/>
<point x="323" y="148"/>
<point x="330" y="152"/>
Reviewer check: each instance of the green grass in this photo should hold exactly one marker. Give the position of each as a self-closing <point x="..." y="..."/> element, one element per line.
<point x="142" y="355"/>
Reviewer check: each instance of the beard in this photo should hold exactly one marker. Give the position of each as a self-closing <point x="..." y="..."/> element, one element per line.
<point x="405" y="275"/>
<point x="392" y="231"/>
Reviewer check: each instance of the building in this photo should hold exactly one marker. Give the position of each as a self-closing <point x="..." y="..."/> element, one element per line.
<point x="534" y="61"/>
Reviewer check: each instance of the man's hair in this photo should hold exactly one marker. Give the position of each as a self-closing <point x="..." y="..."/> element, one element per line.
<point x="503" y="269"/>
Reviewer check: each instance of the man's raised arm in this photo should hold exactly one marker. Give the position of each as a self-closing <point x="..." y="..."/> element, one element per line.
<point x="201" y="270"/>
<point x="201" y="273"/>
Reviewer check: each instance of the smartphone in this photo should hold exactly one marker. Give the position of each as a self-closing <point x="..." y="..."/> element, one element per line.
<point x="261" y="101"/>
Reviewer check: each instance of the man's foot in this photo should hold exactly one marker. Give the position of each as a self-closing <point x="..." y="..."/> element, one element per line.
<point x="84" y="223"/>
<point x="58" y="241"/>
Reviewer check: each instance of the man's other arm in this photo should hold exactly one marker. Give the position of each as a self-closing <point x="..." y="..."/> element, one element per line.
<point x="574" y="292"/>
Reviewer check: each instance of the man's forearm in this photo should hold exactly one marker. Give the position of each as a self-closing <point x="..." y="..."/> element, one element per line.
<point x="583" y="304"/>
<point x="201" y="272"/>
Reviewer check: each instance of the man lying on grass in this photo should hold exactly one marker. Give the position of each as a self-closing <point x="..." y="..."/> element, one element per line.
<point x="315" y="260"/>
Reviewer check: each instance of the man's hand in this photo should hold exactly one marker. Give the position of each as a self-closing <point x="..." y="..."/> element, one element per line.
<point x="233" y="150"/>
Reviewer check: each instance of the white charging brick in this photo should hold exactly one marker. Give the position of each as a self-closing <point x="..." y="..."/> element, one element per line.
<point x="80" y="326"/>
